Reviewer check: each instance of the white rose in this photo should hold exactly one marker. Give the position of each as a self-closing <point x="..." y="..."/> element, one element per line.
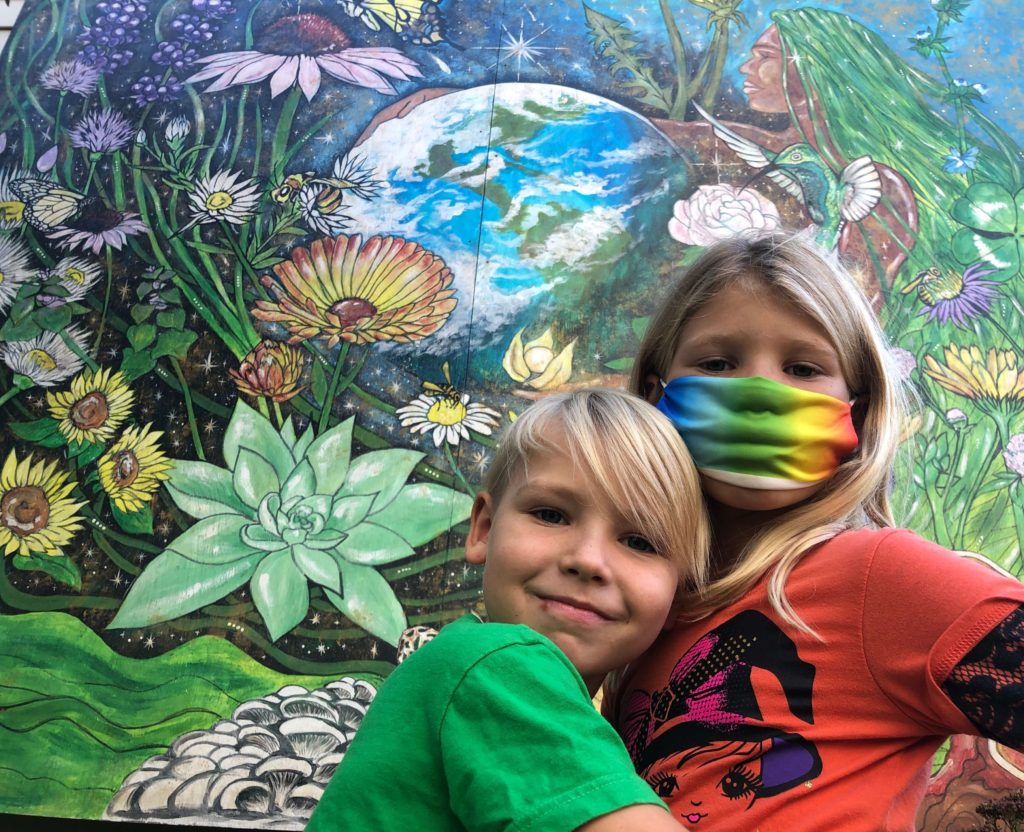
<point x="716" y="212"/>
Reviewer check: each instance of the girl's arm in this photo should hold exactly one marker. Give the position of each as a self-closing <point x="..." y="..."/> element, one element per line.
<point x="642" y="818"/>
<point x="987" y="684"/>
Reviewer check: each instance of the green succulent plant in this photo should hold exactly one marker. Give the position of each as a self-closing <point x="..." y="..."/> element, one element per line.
<point x="289" y="510"/>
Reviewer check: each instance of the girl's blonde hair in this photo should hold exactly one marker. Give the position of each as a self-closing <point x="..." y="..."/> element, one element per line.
<point x="633" y="457"/>
<point x="858" y="493"/>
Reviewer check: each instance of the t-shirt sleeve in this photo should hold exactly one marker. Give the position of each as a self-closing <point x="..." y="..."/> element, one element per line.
<point x="524" y="749"/>
<point x="924" y="608"/>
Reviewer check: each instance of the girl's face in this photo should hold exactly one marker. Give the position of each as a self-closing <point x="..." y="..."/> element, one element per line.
<point x="745" y="330"/>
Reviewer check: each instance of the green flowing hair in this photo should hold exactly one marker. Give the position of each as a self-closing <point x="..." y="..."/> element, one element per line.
<point x="864" y="99"/>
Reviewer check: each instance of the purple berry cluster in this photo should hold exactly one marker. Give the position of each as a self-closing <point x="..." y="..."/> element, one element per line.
<point x="174" y="53"/>
<point x="116" y="27"/>
<point x="151" y="89"/>
<point x="213" y="9"/>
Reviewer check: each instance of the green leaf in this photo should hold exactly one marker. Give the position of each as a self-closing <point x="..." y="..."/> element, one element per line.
<point x="141" y="336"/>
<point x="369" y="602"/>
<point x="348" y="512"/>
<point x="209" y="248"/>
<point x="249" y="429"/>
<point x="303" y="442"/>
<point x="204" y="490"/>
<point x="622" y="365"/>
<point x="142" y="312"/>
<point x="38" y="429"/>
<point x="380" y="473"/>
<point x="174" y="342"/>
<point x="639" y="326"/>
<point x="136" y="364"/>
<point x="288" y="434"/>
<point x="280" y="593"/>
<point x="320" y="567"/>
<point x="60" y="567"/>
<point x="171" y="319"/>
<point x="262" y="538"/>
<point x="85" y="452"/>
<point x="254" y="478"/>
<point x="329" y="457"/>
<point x="373" y="545"/>
<point x="215" y="540"/>
<point x="134" y="522"/>
<point x="318" y="381"/>
<point x="301" y="483"/>
<point x="1003" y="252"/>
<point x="987" y="206"/>
<point x="422" y="511"/>
<point x="54" y="318"/>
<point x="172" y="586"/>
<point x="23" y="330"/>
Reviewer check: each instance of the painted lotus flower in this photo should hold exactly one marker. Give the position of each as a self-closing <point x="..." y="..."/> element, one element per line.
<point x="46" y="359"/>
<point x="97" y="404"/>
<point x="342" y="289"/>
<point x="37" y="514"/>
<point x="955" y="297"/>
<point x="133" y="467"/>
<point x="289" y="510"/>
<point x="298" y="49"/>
<point x="717" y="212"/>
<point x="993" y="380"/>
<point x="272" y="370"/>
<point x="535" y="362"/>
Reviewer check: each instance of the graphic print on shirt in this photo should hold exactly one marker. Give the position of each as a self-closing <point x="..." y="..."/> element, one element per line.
<point x="708" y="740"/>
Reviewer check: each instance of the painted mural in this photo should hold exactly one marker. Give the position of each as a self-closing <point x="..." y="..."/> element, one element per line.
<point x="273" y="275"/>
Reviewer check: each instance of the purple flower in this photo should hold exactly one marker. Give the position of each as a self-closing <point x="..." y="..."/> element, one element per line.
<point x="956" y="298"/>
<point x="191" y="28"/>
<point x="116" y="26"/>
<point x="103" y="132"/>
<point x="213" y="9"/>
<point x="94" y="225"/>
<point x="71" y="76"/>
<point x="175" y="53"/>
<point x="150" y="90"/>
<point x="1013" y="455"/>
<point x="958" y="161"/>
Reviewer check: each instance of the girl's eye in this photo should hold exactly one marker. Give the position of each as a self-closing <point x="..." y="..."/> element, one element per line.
<point x="664" y="784"/>
<point x="552" y="516"/>
<point x="803" y="370"/>
<point x="715" y="365"/>
<point x="639" y="544"/>
<point x="740" y="782"/>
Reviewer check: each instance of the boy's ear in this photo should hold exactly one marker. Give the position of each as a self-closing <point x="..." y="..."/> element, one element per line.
<point x="480" y="520"/>
<point x="652" y="387"/>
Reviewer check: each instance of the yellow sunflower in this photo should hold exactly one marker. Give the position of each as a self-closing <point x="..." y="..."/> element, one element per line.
<point x="36" y="515"/>
<point x="992" y="380"/>
<point x="133" y="467"/>
<point x="386" y="289"/>
<point x="94" y="408"/>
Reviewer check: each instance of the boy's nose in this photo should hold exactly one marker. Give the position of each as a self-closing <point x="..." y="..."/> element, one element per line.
<point x="588" y="561"/>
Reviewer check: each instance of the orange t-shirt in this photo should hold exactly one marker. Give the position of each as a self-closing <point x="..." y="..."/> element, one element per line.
<point x="741" y="722"/>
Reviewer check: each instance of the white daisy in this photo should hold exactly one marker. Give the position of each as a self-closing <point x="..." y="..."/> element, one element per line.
<point x="76" y="274"/>
<point x="15" y="269"/>
<point x="222" y="197"/>
<point x="449" y="415"/>
<point x="46" y="359"/>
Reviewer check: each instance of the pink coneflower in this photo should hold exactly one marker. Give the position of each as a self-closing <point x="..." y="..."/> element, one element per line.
<point x="103" y="132"/>
<point x="94" y="225"/>
<point x="294" y="50"/>
<point x="71" y="76"/>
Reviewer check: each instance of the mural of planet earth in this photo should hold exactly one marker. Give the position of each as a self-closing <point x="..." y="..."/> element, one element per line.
<point x="575" y="193"/>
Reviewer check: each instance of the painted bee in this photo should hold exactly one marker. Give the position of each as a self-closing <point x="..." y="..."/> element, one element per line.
<point x="448" y="390"/>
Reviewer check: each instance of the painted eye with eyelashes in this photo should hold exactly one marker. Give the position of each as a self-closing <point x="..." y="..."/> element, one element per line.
<point x="740" y="782"/>
<point x="664" y="784"/>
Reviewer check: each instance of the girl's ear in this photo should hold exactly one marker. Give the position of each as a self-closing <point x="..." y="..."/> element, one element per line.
<point x="481" y="519"/>
<point x="652" y="387"/>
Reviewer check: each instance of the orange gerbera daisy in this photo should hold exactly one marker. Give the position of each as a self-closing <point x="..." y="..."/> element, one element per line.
<point x="386" y="289"/>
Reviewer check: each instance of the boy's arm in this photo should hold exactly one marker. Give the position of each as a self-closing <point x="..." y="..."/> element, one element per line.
<point x="640" y="818"/>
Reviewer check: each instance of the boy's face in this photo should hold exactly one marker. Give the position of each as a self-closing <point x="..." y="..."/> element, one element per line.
<point x="559" y="558"/>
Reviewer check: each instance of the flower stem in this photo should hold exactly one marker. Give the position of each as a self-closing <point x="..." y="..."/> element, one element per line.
<point x="278" y="417"/>
<point x="240" y="308"/>
<point x="682" y="95"/>
<point x="187" y="394"/>
<point x="106" y="300"/>
<point x="77" y="350"/>
<point x="282" y="131"/>
<point x="325" y="409"/>
<point x="457" y="471"/>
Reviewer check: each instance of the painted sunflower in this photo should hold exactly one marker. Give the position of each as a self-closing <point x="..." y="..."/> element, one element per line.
<point x="36" y="514"/>
<point x="342" y="289"/>
<point x="94" y="408"/>
<point x="133" y="467"/>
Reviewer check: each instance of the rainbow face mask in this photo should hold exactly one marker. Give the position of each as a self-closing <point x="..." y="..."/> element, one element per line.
<point x="758" y="433"/>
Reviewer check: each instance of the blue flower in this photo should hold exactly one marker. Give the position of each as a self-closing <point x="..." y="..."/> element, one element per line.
<point x="958" y="161"/>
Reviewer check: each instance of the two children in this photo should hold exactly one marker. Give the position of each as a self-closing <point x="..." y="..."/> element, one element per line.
<point x="810" y="684"/>
<point x="591" y="521"/>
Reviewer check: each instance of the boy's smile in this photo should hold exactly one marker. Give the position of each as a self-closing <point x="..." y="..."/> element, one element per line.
<point x="561" y="559"/>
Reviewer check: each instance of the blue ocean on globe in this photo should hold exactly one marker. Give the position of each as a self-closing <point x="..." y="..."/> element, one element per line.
<point x="546" y="202"/>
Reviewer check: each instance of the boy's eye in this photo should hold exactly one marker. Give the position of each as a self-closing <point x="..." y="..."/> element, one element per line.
<point x="715" y="365"/>
<point x="549" y="515"/>
<point x="639" y="544"/>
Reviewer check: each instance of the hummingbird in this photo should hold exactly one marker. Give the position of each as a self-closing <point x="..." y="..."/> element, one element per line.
<point x="831" y="199"/>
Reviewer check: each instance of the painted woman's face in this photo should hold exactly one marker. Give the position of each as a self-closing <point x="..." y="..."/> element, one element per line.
<point x="762" y="72"/>
<point x="683" y="782"/>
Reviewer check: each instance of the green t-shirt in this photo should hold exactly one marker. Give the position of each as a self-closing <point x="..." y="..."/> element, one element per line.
<point x="487" y="727"/>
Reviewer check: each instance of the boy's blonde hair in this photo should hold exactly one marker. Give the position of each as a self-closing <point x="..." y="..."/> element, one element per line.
<point x="633" y="457"/>
<point x="857" y="494"/>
